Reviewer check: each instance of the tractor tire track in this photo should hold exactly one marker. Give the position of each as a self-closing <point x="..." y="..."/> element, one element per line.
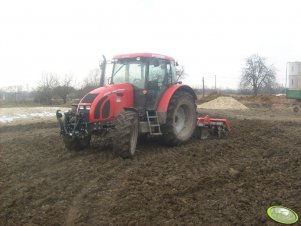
<point x="113" y="176"/>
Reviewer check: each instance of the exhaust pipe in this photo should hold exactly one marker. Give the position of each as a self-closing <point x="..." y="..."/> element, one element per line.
<point x="102" y="66"/>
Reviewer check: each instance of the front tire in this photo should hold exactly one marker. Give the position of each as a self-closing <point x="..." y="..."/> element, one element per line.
<point x="181" y="119"/>
<point x="126" y="134"/>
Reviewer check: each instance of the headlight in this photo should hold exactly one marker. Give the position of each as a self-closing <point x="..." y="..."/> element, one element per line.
<point x="88" y="108"/>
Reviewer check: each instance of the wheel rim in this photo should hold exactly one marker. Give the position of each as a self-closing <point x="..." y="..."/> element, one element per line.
<point x="180" y="119"/>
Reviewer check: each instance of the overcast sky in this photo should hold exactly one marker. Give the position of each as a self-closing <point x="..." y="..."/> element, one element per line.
<point x="208" y="37"/>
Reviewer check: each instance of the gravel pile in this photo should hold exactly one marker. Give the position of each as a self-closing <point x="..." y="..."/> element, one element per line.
<point x="223" y="103"/>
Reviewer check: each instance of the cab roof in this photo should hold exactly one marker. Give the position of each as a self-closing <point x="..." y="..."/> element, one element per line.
<point x="133" y="55"/>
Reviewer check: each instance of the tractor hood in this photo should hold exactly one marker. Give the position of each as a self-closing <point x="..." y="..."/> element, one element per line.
<point x="105" y="103"/>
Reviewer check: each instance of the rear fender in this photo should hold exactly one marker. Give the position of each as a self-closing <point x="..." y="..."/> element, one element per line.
<point x="166" y="97"/>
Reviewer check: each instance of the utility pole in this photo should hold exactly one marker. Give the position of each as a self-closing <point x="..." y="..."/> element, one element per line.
<point x="286" y="77"/>
<point x="215" y="82"/>
<point x="203" y="87"/>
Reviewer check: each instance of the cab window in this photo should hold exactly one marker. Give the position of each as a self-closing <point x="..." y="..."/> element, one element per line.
<point x="129" y="71"/>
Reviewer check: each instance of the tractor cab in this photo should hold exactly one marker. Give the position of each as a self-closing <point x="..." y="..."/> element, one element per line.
<point x="149" y="74"/>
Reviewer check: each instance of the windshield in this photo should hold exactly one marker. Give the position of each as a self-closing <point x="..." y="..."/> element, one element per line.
<point x="129" y="71"/>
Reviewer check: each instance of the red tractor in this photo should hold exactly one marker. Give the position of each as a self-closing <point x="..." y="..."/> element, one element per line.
<point x="143" y="98"/>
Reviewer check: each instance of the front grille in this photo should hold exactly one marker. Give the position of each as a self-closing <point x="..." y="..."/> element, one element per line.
<point x="84" y="114"/>
<point x="106" y="110"/>
<point x="98" y="106"/>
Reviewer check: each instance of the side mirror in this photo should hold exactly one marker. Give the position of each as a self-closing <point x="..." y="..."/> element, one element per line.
<point x="177" y="64"/>
<point x="180" y="73"/>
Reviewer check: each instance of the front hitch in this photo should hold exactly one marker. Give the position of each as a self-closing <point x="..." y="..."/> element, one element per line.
<point x="73" y="124"/>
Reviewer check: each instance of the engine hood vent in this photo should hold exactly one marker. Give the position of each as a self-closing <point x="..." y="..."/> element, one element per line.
<point x="89" y="98"/>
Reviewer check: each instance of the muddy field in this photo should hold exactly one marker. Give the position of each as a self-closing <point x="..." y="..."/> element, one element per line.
<point x="204" y="182"/>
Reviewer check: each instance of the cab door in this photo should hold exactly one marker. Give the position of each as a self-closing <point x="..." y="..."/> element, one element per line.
<point x="160" y="75"/>
<point x="137" y="71"/>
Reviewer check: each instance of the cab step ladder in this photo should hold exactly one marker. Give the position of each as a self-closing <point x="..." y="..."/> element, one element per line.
<point x="153" y="123"/>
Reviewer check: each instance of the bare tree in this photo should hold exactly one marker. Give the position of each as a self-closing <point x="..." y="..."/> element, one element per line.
<point x="93" y="78"/>
<point x="49" y="80"/>
<point x="65" y="87"/>
<point x="45" y="89"/>
<point x="257" y="75"/>
<point x="180" y="72"/>
<point x="92" y="81"/>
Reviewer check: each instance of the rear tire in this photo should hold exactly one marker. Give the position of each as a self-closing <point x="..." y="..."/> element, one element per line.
<point x="181" y="119"/>
<point x="76" y="144"/>
<point x="126" y="134"/>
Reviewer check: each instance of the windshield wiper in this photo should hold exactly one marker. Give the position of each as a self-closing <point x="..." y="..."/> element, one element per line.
<point x="118" y="69"/>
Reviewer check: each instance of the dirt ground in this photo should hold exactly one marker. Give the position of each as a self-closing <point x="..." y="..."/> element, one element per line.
<point x="230" y="181"/>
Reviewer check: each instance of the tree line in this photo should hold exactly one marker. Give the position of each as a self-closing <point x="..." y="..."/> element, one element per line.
<point x="52" y="87"/>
